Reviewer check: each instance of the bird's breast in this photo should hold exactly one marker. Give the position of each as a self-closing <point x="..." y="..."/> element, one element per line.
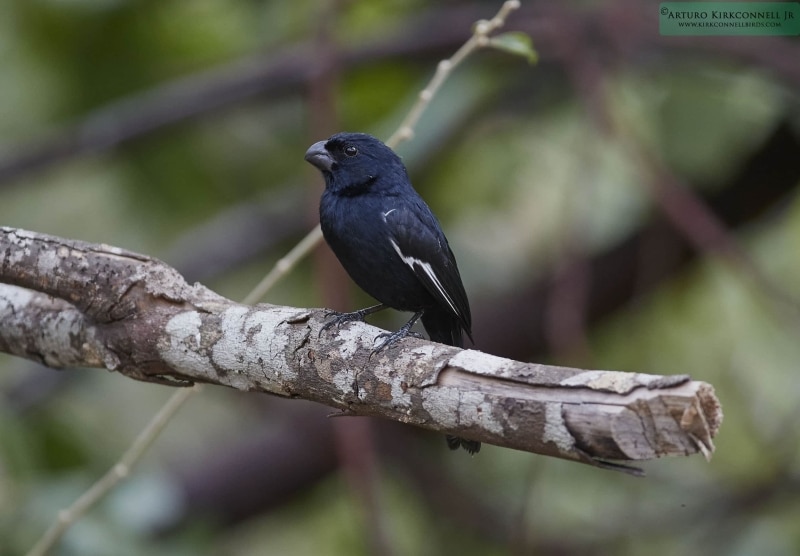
<point x="360" y="235"/>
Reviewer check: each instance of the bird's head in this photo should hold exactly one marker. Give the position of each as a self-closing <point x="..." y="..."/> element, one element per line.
<point x="357" y="163"/>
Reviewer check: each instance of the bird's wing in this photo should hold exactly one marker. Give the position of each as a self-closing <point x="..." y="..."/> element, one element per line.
<point x="419" y="241"/>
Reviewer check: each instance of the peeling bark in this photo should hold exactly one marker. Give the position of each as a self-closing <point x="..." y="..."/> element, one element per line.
<point x="67" y="303"/>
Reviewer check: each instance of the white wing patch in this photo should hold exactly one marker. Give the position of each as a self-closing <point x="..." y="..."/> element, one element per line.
<point x="387" y="213"/>
<point x="426" y="268"/>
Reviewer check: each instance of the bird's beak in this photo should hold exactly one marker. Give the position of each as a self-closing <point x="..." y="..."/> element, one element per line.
<point x="319" y="156"/>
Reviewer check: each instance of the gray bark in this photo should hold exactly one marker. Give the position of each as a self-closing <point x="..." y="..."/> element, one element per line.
<point x="67" y="303"/>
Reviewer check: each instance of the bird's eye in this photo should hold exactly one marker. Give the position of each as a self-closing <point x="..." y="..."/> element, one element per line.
<point x="350" y="150"/>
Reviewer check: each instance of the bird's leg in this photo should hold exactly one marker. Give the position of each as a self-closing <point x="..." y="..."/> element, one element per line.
<point x="392" y="337"/>
<point x="359" y="316"/>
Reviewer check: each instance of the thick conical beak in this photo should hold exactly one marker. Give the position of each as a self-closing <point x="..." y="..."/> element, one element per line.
<point x="319" y="156"/>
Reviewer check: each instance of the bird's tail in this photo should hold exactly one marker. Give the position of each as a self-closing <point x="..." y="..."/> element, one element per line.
<point x="442" y="327"/>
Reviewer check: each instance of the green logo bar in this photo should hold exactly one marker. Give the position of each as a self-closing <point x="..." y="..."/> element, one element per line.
<point x="729" y="18"/>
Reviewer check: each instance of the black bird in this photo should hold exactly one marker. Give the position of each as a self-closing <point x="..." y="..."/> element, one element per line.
<point x="389" y="242"/>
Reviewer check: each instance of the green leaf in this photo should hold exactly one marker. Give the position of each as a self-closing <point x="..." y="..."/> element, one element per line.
<point x="517" y="43"/>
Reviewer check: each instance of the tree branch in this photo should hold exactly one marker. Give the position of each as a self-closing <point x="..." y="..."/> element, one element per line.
<point x="431" y="33"/>
<point x="135" y="315"/>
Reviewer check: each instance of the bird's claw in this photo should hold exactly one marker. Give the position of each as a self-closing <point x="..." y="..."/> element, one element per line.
<point x="341" y="318"/>
<point x="392" y="337"/>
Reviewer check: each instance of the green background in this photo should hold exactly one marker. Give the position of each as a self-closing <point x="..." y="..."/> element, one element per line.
<point x="177" y="128"/>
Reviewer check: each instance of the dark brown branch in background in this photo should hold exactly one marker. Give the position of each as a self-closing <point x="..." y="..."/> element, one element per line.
<point x="263" y="473"/>
<point x="267" y="75"/>
<point x="623" y="31"/>
<point x="354" y="439"/>
<point x="640" y="262"/>
<point x="684" y="209"/>
<point x="238" y="234"/>
<point x="264" y="470"/>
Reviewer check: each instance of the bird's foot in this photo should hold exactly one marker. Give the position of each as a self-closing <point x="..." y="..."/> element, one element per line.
<point x="456" y="442"/>
<point x="392" y="337"/>
<point x="342" y="318"/>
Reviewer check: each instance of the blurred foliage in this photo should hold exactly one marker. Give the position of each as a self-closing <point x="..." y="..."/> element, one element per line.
<point x="509" y="159"/>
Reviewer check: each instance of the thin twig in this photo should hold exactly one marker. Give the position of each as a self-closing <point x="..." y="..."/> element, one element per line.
<point x="479" y="38"/>
<point x="284" y="265"/>
<point x="117" y="473"/>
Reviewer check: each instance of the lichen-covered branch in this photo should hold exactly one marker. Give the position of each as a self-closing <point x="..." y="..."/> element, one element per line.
<point x="68" y="303"/>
